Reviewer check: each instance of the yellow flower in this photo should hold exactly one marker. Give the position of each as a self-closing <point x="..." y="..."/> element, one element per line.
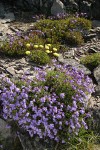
<point x="27" y="52"/>
<point x="56" y="54"/>
<point x="46" y="47"/>
<point x="36" y="46"/>
<point x="28" y="45"/>
<point x="47" y="51"/>
<point x="41" y="46"/>
<point x="55" y="49"/>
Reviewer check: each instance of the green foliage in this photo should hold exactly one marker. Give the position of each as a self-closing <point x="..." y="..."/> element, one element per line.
<point x="74" y="38"/>
<point x="79" y="23"/>
<point x="10" y="143"/>
<point x="91" y="61"/>
<point x="40" y="57"/>
<point x="86" y="140"/>
<point x="55" y="80"/>
<point x="16" y="46"/>
<point x="12" y="49"/>
<point x="55" y="30"/>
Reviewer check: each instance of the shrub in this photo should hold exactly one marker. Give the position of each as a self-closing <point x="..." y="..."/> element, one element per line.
<point x="55" y="29"/>
<point x="41" y="54"/>
<point x="51" y="104"/>
<point x="74" y="38"/>
<point x="91" y="61"/>
<point x="79" y="23"/>
<point x="39" y="57"/>
<point x="18" y="45"/>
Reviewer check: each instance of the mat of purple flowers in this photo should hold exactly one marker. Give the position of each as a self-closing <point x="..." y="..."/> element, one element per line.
<point x="51" y="105"/>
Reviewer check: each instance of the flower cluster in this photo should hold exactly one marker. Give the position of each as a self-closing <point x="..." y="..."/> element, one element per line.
<point x="51" y="104"/>
<point x="16" y="45"/>
<point x="48" y="48"/>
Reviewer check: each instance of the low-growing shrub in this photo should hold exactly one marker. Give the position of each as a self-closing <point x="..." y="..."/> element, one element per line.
<point x="51" y="105"/>
<point x="39" y="57"/>
<point x="18" y="45"/>
<point x="91" y="61"/>
<point x="74" y="38"/>
<point x="80" y="24"/>
<point x="41" y="54"/>
<point x="55" y="29"/>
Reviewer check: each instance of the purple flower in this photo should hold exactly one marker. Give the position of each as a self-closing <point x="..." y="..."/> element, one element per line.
<point x="39" y="109"/>
<point x="62" y="95"/>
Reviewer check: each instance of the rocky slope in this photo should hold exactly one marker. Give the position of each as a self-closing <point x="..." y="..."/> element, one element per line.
<point x="14" y="68"/>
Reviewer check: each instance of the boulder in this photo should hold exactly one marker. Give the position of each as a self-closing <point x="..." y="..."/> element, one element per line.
<point x="58" y="7"/>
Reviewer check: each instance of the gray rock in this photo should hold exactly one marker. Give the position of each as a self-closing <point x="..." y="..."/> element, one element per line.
<point x="97" y="90"/>
<point x="97" y="74"/>
<point x="69" y="54"/>
<point x="11" y="71"/>
<point x="92" y="50"/>
<point x="96" y="23"/>
<point x="9" y="17"/>
<point x="4" y="131"/>
<point x="23" y="61"/>
<point x="2" y="11"/>
<point x="90" y="36"/>
<point x="74" y="63"/>
<point x="58" y="7"/>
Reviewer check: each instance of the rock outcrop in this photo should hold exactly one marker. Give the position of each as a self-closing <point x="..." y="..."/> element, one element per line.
<point x="90" y="7"/>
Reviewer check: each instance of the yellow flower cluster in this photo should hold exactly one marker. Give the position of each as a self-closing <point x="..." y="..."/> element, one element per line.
<point x="48" y="48"/>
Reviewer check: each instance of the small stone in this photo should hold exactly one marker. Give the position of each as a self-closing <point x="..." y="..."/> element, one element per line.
<point x="19" y="72"/>
<point x="69" y="54"/>
<point x="23" y="61"/>
<point x="11" y="71"/>
<point x="90" y="36"/>
<point x="92" y="50"/>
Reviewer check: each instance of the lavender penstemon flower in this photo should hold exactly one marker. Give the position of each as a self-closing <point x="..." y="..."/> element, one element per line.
<point x="50" y="105"/>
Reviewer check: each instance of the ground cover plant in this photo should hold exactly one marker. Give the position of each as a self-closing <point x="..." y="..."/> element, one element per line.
<point x="91" y="61"/>
<point x="44" y="42"/>
<point x="51" y="105"/>
<point x="17" y="45"/>
<point x="56" y="30"/>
